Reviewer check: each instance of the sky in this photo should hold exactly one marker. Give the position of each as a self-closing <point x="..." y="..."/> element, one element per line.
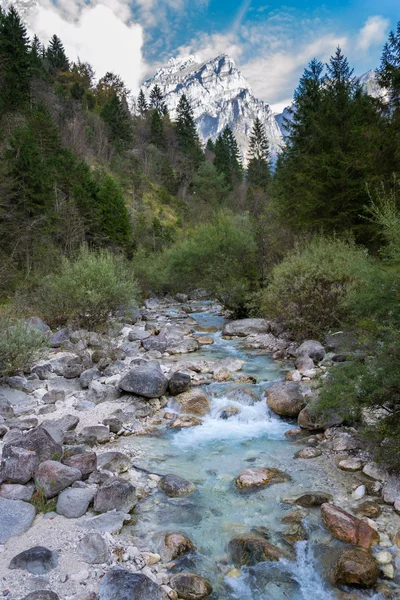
<point x="271" y="42"/>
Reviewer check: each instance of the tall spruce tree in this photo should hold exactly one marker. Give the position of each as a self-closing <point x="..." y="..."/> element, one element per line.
<point x="227" y="158"/>
<point x="157" y="134"/>
<point x="142" y="104"/>
<point x="188" y="138"/>
<point x="157" y="100"/>
<point x="258" y="172"/>
<point x="15" y="63"/>
<point x="118" y="120"/>
<point x="56" y="57"/>
<point x="389" y="70"/>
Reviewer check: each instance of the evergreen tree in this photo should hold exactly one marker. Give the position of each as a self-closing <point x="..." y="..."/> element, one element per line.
<point x="258" y="173"/>
<point x="210" y="146"/>
<point x="142" y="104"/>
<point x="168" y="178"/>
<point x="227" y="158"/>
<point x="56" y="57"/>
<point x="15" y="64"/>
<point x="389" y="70"/>
<point x="157" y="100"/>
<point x="157" y="134"/>
<point x="37" y="55"/>
<point x="118" y="120"/>
<point x="188" y="139"/>
<point x="114" y="222"/>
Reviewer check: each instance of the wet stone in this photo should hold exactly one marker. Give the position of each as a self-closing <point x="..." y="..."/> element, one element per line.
<point x="38" y="560"/>
<point x="175" y="486"/>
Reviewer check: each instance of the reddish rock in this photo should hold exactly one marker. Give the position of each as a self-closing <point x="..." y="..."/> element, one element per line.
<point x="256" y="477"/>
<point x="347" y="528"/>
<point x="356" y="567"/>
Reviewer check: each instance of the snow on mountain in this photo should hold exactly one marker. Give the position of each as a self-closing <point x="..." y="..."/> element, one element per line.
<point x="220" y="96"/>
<point x="370" y="84"/>
<point x="24" y="7"/>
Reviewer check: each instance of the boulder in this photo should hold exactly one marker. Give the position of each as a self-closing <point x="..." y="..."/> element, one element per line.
<point x="137" y="334"/>
<point x="347" y="528"/>
<point x="57" y="428"/>
<point x="113" y="461"/>
<point x="110" y="522"/>
<point x="304" y="364"/>
<point x="121" y="584"/>
<point x="308" y="453"/>
<point x="175" y="486"/>
<point x="245" y="327"/>
<point x="351" y="465"/>
<point x="59" y="338"/>
<point x="53" y="396"/>
<point x="313" y="349"/>
<point x="190" y="586"/>
<point x="38" y="440"/>
<point x="15" y="491"/>
<point x="258" y="477"/>
<point x="285" y="398"/>
<point x="194" y="402"/>
<point x="183" y="346"/>
<point x="205" y="340"/>
<point x="52" y="477"/>
<point x="41" y="595"/>
<point x="38" y="560"/>
<point x="176" y="544"/>
<point x="376" y="472"/>
<point x="15" y="518"/>
<point x="178" y="383"/>
<point x="248" y="550"/>
<point x="312" y="420"/>
<point x="356" y="567"/>
<point x="74" y="502"/>
<point x="113" y="423"/>
<point x="158" y="343"/>
<point x="38" y="325"/>
<point x="100" y="432"/>
<point x="309" y="499"/>
<point x="115" y="494"/>
<point x="391" y="490"/>
<point x="19" y="466"/>
<point x="88" y="376"/>
<point x="101" y="392"/>
<point x="93" y="548"/>
<point x="242" y="395"/>
<point x="147" y="381"/>
<point x="78" y="458"/>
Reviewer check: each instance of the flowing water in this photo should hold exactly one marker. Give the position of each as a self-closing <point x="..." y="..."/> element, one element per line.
<point x="211" y="456"/>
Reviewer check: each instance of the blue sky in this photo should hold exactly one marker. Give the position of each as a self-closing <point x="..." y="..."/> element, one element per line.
<point x="270" y="41"/>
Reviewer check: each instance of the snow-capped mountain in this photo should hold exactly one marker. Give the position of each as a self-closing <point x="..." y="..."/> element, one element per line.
<point x="24" y="7"/>
<point x="370" y="84"/>
<point x="220" y="96"/>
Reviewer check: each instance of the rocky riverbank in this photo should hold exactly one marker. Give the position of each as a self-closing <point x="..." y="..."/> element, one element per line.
<point x="72" y="486"/>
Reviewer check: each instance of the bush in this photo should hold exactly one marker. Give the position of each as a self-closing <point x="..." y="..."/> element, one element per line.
<point x="219" y="256"/>
<point x="20" y="344"/>
<point x="308" y="288"/>
<point x="86" y="291"/>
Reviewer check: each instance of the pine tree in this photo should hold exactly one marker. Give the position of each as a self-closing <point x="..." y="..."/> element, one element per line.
<point x="389" y="70"/>
<point x="157" y="100"/>
<point x="37" y="55"/>
<point x="56" y="57"/>
<point x="142" y="104"/>
<point x="157" y="134"/>
<point x="210" y="146"/>
<point x="227" y="158"/>
<point x="113" y="217"/>
<point x="15" y="63"/>
<point x="118" y="120"/>
<point x="188" y="138"/>
<point x="258" y="171"/>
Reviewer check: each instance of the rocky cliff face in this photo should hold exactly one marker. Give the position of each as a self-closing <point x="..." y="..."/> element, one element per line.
<point x="24" y="7"/>
<point x="220" y="96"/>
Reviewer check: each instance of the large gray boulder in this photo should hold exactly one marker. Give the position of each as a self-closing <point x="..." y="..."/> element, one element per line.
<point x="178" y="383"/>
<point x="110" y="522"/>
<point x="157" y="342"/>
<point x="41" y="595"/>
<point x="245" y="327"/>
<point x="53" y="477"/>
<point x="313" y="349"/>
<point x="74" y="502"/>
<point x="38" y="440"/>
<point x="120" y="584"/>
<point x="147" y="381"/>
<point x="15" y="518"/>
<point x="115" y="494"/>
<point x="38" y="560"/>
<point x="19" y="466"/>
<point x="313" y="420"/>
<point x="114" y="461"/>
<point x="93" y="548"/>
<point x="285" y="398"/>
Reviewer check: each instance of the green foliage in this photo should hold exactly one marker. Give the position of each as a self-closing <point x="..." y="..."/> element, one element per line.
<point x="20" y="344"/>
<point x="209" y="186"/>
<point x="86" y="291"/>
<point x="188" y="139"/>
<point x="258" y="173"/>
<point x="116" y="115"/>
<point x="113" y="217"/>
<point x="389" y="70"/>
<point x="55" y="55"/>
<point x="227" y="158"/>
<point x="308" y="288"/>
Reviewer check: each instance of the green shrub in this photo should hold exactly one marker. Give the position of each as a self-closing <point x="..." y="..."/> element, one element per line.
<point x="308" y="288"/>
<point x="20" y="344"/>
<point x="86" y="291"/>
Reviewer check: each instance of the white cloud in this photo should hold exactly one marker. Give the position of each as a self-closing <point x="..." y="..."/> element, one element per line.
<point x="373" y="32"/>
<point x="101" y="33"/>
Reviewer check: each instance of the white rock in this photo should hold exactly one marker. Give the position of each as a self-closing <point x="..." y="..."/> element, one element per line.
<point x="388" y="571"/>
<point x="359" y="492"/>
<point x="375" y="472"/>
<point x="150" y="558"/>
<point x="384" y="558"/>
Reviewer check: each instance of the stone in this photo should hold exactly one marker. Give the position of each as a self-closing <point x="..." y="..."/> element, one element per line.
<point x="42" y="370"/>
<point x="356" y="567"/>
<point x="38" y="560"/>
<point x="101" y="433"/>
<point x="222" y="374"/>
<point x="313" y="349"/>
<point x="242" y="395"/>
<point x="194" y="402"/>
<point x="57" y="428"/>
<point x="304" y="364"/>
<point x="384" y="558"/>
<point x="245" y="327"/>
<point x="175" y="486"/>
<point x="6" y="409"/>
<point x="308" y="453"/>
<point x="19" y="465"/>
<point x="93" y="548"/>
<point x="312" y="420"/>
<point x="351" y="465"/>
<point x="38" y="325"/>
<point x="52" y="477"/>
<point x="369" y="509"/>
<point x="285" y="398"/>
<point x="309" y="499"/>
<point x="38" y="440"/>
<point x="54" y="396"/>
<point x="182" y="346"/>
<point x="372" y="470"/>
<point x="205" y="340"/>
<point x="100" y="392"/>
<point x="229" y="411"/>
<point x="113" y="423"/>
<point x="347" y="528"/>
<point x="190" y="586"/>
<point x="41" y="595"/>
<point x="88" y="376"/>
<point x="110" y="522"/>
<point x="15" y="491"/>
<point x="86" y="462"/>
<point x="178" y="383"/>
<point x="21" y="403"/>
<point x="113" y="461"/>
<point x="147" y="381"/>
<point x="359" y="492"/>
<point x="248" y="550"/>
<point x="186" y="421"/>
<point x="16" y="517"/>
<point x="177" y="544"/>
<point x="258" y="477"/>
<point x="121" y="584"/>
<point x="388" y="571"/>
<point x="115" y="494"/>
<point x="137" y="334"/>
<point x="391" y="490"/>
<point x="74" y="502"/>
<point x="343" y="442"/>
<point x="59" y="338"/>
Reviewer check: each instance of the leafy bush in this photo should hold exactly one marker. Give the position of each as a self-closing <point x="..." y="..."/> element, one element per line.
<point x="308" y="288"/>
<point x="86" y="291"/>
<point x="20" y="344"/>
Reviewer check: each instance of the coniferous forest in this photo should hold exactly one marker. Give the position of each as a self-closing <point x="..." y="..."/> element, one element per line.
<point x="104" y="195"/>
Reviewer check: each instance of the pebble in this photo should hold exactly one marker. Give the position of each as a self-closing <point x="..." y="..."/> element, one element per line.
<point x="388" y="571"/>
<point x="359" y="492"/>
<point x="384" y="558"/>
